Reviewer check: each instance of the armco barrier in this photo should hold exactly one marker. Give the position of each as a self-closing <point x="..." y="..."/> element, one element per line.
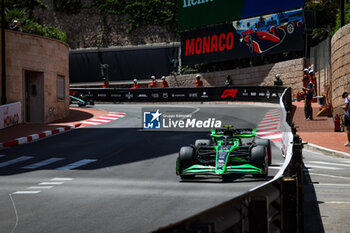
<point x="201" y="94"/>
<point x="276" y="206"/>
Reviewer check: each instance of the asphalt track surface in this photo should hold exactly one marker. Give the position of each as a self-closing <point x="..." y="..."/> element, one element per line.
<point x="119" y="178"/>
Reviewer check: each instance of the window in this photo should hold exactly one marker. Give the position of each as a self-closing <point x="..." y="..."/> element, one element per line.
<point x="60" y="87"/>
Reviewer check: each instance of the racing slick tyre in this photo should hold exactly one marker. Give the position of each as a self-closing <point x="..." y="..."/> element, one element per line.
<point x="290" y="28"/>
<point x="267" y="144"/>
<point x="186" y="159"/>
<point x="259" y="159"/>
<point x="81" y="104"/>
<point x="202" y="142"/>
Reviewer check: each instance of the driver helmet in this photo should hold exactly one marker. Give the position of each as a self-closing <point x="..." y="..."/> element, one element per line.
<point x="306" y="70"/>
<point x="135" y="80"/>
<point x="163" y="77"/>
<point x="153" y="77"/>
<point x="277" y="76"/>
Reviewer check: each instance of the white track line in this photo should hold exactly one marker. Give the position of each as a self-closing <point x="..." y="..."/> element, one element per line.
<point x="76" y="164"/>
<point x="40" y="187"/>
<point x="13" y="161"/>
<point x="27" y="192"/>
<point x="61" y="179"/>
<point x="323" y="167"/>
<point x="330" y="176"/>
<point x="51" y="183"/>
<point x="328" y="163"/>
<point x="42" y="163"/>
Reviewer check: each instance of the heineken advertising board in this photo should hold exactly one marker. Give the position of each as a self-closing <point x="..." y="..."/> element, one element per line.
<point x="268" y="34"/>
<point x="198" y="13"/>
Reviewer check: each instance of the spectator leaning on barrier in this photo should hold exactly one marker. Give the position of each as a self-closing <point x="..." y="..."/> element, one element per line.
<point x="164" y="82"/>
<point x="308" y="98"/>
<point x="277" y="81"/>
<point x="153" y="84"/>
<point x="228" y="81"/>
<point x="347" y="116"/>
<point x="199" y="82"/>
<point x="135" y="86"/>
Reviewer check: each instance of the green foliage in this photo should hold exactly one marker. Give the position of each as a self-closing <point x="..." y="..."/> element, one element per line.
<point x="137" y="13"/>
<point x="325" y="11"/>
<point x="67" y="6"/>
<point x="29" y="26"/>
<point x="347" y="17"/>
<point x="27" y="5"/>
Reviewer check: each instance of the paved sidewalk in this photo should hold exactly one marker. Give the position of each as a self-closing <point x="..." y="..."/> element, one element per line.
<point x="319" y="133"/>
<point x="75" y="117"/>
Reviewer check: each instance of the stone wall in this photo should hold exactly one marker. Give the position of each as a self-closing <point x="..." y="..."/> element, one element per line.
<point x="27" y="52"/>
<point x="84" y="30"/>
<point x="291" y="73"/>
<point x="340" y="67"/>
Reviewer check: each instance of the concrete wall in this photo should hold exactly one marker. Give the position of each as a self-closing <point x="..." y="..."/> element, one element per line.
<point x="36" y="53"/>
<point x="291" y="73"/>
<point x="340" y="66"/>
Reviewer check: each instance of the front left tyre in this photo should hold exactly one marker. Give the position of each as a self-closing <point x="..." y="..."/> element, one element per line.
<point x="185" y="160"/>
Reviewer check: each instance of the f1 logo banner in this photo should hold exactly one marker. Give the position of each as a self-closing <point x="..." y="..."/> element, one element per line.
<point x="268" y="34"/>
<point x="229" y="93"/>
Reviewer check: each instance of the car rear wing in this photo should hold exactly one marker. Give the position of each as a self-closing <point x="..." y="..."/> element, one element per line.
<point x="239" y="133"/>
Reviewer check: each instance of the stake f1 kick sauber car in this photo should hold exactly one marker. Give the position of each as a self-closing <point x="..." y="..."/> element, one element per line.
<point x="226" y="153"/>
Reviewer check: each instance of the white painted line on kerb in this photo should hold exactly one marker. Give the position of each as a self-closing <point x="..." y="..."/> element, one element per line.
<point x="272" y="120"/>
<point x="98" y="120"/>
<point x="271" y="136"/>
<point x="90" y="123"/>
<point x="116" y="115"/>
<point x="267" y="128"/>
<point x="40" y="187"/>
<point x="272" y="114"/>
<point x="51" y="183"/>
<point x="267" y="124"/>
<point x="76" y="164"/>
<point x="42" y="163"/>
<point x="61" y="179"/>
<point x="108" y="118"/>
<point x="13" y="161"/>
<point x="27" y="192"/>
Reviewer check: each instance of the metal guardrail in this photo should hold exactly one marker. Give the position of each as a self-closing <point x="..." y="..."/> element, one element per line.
<point x="276" y="206"/>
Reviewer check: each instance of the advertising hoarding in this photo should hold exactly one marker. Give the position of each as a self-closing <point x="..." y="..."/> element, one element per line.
<point x="10" y="115"/>
<point x="268" y="34"/>
<point x="198" y="13"/>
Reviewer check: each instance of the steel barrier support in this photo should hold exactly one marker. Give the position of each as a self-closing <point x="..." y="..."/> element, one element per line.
<point x="289" y="206"/>
<point x="258" y="215"/>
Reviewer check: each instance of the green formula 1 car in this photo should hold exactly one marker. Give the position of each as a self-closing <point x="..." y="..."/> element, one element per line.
<point x="226" y="153"/>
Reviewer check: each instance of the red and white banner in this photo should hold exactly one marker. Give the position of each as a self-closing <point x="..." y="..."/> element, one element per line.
<point x="10" y="114"/>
